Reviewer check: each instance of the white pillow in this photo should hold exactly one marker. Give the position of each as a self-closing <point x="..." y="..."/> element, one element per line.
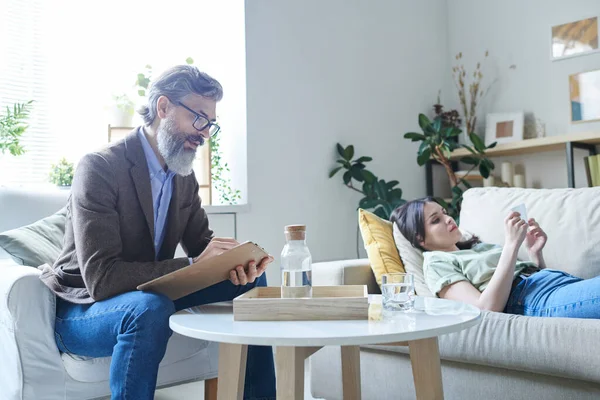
<point x="412" y="259"/>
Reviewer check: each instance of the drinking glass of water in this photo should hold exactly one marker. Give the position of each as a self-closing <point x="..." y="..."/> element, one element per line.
<point x="397" y="291"/>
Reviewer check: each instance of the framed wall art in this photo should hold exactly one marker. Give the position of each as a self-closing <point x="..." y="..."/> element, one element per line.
<point x="504" y="128"/>
<point x="574" y="38"/>
<point x="584" y="96"/>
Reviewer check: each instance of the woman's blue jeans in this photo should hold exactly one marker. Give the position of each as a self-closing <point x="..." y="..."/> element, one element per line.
<point x="552" y="293"/>
<point x="133" y="328"/>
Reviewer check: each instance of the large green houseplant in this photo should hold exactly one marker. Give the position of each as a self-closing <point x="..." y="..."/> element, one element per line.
<point x="12" y="127"/>
<point x="438" y="141"/>
<point x="380" y="196"/>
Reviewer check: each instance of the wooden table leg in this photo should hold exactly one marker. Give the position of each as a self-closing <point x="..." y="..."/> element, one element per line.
<point x="289" y="362"/>
<point x="210" y="389"/>
<point x="351" y="372"/>
<point x="232" y="371"/>
<point x="426" y="368"/>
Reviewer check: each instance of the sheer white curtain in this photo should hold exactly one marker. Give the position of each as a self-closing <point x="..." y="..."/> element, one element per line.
<point x="71" y="56"/>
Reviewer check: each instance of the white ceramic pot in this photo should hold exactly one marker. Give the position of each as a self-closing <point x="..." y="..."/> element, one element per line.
<point x="120" y="117"/>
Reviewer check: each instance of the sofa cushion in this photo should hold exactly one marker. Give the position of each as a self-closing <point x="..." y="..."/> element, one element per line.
<point x="570" y="217"/>
<point x="551" y="346"/>
<point x="379" y="244"/>
<point x="38" y="243"/>
<point x="88" y="369"/>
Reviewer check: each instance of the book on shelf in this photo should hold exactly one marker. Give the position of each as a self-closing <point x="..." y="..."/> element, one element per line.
<point x="592" y="170"/>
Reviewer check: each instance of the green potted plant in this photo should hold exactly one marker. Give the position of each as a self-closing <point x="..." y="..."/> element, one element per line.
<point x="438" y="141"/>
<point x="380" y="197"/>
<point x="12" y="127"/>
<point x="61" y="173"/>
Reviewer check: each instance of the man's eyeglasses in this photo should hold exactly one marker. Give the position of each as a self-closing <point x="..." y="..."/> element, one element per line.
<point x="201" y="122"/>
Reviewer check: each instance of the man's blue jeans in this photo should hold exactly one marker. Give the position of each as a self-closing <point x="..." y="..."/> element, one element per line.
<point x="134" y="329"/>
<point x="552" y="293"/>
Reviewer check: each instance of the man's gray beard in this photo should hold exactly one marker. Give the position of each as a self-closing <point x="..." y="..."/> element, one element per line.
<point x="171" y="147"/>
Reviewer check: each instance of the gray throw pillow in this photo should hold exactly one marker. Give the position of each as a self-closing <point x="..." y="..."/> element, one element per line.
<point x="38" y="243"/>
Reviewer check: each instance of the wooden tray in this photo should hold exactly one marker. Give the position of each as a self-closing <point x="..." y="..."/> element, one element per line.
<point x="328" y="303"/>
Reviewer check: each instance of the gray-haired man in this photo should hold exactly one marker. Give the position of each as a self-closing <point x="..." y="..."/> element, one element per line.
<point x="131" y="204"/>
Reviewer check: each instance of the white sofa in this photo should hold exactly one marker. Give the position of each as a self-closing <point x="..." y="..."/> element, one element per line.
<point x="31" y="366"/>
<point x="506" y="356"/>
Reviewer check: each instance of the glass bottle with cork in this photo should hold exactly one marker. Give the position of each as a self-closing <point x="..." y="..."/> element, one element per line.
<point x="296" y="264"/>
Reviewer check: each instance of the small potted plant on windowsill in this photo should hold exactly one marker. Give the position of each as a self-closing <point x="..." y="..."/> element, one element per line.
<point x="61" y="174"/>
<point x="122" y="110"/>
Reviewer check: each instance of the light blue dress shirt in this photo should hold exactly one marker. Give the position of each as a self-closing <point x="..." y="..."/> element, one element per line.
<point x="162" y="191"/>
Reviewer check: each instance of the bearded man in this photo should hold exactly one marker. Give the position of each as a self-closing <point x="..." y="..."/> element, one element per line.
<point x="131" y="204"/>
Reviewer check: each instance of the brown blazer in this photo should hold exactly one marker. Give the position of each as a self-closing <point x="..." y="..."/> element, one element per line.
<point x="109" y="233"/>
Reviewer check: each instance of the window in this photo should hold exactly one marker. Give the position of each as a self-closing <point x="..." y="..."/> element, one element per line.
<point x="70" y="57"/>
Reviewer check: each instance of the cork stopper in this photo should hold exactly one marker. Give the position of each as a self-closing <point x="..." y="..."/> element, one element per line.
<point x="295" y="232"/>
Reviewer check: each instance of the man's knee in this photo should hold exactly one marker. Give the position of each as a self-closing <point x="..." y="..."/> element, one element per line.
<point x="153" y="309"/>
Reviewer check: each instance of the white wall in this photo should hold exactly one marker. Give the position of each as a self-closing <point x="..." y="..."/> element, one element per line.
<point x="321" y="72"/>
<point x="518" y="32"/>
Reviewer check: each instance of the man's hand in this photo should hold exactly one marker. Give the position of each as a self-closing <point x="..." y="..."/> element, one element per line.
<point x="240" y="277"/>
<point x="216" y="247"/>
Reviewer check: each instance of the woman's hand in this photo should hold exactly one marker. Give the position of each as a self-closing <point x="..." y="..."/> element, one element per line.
<point x="535" y="241"/>
<point x="515" y="230"/>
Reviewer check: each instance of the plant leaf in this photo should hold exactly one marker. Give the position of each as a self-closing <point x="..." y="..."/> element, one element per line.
<point x="395" y="194"/>
<point x="369" y="203"/>
<point x="454" y="131"/>
<point x="470" y="160"/>
<point x="425" y="124"/>
<point x="369" y="177"/>
<point x="484" y="170"/>
<point x="477" y="142"/>
<point x="415" y="137"/>
<point x="491" y="146"/>
<point x="345" y="163"/>
<point x="347" y="177"/>
<point x="357" y="173"/>
<point x="380" y="212"/>
<point x="334" y="171"/>
<point x="349" y="152"/>
<point x="390" y="185"/>
<point x="340" y="150"/>
<point x="380" y="189"/>
<point x="424" y="157"/>
<point x="437" y="124"/>
<point x="364" y="159"/>
<point x="469" y="148"/>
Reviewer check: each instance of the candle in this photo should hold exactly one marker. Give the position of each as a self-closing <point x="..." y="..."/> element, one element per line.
<point x="507" y="173"/>
<point x="489" y="181"/>
<point x="519" y="181"/>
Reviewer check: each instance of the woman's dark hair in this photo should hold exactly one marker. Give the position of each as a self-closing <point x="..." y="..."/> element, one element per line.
<point x="410" y="220"/>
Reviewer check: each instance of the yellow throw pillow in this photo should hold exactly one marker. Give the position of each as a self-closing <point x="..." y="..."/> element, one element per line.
<point x="378" y="236"/>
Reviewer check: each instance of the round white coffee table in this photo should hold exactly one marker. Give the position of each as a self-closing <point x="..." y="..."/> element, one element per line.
<point x="296" y="340"/>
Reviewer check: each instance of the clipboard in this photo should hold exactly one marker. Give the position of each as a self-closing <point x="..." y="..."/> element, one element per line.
<point x="205" y="273"/>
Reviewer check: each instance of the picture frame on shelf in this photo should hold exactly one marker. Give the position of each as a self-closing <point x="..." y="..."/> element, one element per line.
<point x="574" y="39"/>
<point x="584" y="96"/>
<point x="504" y="127"/>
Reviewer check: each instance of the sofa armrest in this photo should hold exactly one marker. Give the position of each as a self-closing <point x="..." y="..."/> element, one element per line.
<point x="345" y="272"/>
<point x="31" y="362"/>
<point x="552" y="346"/>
